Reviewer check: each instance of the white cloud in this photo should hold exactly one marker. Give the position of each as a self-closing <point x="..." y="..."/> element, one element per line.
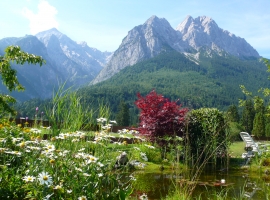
<point x="44" y="19"/>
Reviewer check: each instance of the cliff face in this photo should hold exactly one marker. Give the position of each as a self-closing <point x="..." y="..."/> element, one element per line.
<point x="75" y="64"/>
<point x="156" y="35"/>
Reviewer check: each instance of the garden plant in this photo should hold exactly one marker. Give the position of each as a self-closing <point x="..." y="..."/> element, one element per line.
<point x="78" y="157"/>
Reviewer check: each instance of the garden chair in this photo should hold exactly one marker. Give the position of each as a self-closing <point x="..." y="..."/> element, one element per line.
<point x="252" y="189"/>
<point x="251" y="147"/>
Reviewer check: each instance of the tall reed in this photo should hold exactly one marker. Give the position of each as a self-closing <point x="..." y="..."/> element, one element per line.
<point x="66" y="111"/>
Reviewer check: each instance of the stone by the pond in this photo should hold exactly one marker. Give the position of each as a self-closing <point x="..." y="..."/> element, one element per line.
<point x="121" y="160"/>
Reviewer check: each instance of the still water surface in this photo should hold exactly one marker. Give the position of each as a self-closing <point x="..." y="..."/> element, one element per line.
<point x="157" y="185"/>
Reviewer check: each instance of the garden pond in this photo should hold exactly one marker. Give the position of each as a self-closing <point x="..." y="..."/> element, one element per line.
<point x="233" y="184"/>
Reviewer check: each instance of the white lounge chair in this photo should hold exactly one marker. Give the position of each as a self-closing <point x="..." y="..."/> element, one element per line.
<point x="250" y="143"/>
<point x="252" y="147"/>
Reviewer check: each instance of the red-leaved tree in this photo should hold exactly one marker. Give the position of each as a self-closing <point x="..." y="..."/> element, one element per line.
<point x="159" y="116"/>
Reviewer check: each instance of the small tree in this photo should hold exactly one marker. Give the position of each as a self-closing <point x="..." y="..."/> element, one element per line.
<point x="9" y="75"/>
<point x="259" y="119"/>
<point x="248" y="116"/>
<point x="122" y="116"/>
<point x="233" y="113"/>
<point x="261" y="111"/>
<point x="207" y="135"/>
<point x="160" y="117"/>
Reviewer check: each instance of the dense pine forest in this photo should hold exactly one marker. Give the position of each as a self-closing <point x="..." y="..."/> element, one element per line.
<point x="213" y="82"/>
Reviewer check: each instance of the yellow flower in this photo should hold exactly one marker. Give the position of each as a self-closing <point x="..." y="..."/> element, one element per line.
<point x="6" y="124"/>
<point x="22" y="144"/>
<point x="19" y="125"/>
<point x="26" y="130"/>
<point x="52" y="161"/>
<point x="38" y="138"/>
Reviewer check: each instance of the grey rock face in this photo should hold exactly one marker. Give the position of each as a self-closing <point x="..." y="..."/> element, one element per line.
<point x="79" y="62"/>
<point x="142" y="42"/>
<point x="204" y="32"/>
<point x="66" y="61"/>
<point x="156" y="35"/>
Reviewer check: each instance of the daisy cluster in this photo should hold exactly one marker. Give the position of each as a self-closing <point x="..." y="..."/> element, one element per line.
<point x="66" y="166"/>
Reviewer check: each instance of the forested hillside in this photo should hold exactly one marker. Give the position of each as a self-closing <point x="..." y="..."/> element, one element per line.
<point x="212" y="83"/>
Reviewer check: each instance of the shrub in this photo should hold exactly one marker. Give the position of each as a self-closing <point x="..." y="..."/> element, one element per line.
<point x="160" y="117"/>
<point x="207" y="133"/>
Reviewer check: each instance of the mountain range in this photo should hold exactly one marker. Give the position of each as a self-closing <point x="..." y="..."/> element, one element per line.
<point x="67" y="61"/>
<point x="190" y="37"/>
<point x="197" y="61"/>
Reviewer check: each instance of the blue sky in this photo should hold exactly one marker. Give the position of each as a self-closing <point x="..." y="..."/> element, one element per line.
<point x="104" y="23"/>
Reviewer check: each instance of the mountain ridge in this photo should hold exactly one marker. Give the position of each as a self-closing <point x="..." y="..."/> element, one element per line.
<point x="66" y="62"/>
<point x="149" y="39"/>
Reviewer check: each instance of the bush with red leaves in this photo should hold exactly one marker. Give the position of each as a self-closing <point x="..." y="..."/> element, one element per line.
<point x="160" y="117"/>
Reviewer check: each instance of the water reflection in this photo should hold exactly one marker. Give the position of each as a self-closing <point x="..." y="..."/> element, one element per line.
<point x="237" y="184"/>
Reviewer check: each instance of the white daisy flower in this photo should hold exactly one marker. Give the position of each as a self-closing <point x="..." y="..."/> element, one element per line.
<point x="143" y="197"/>
<point x="82" y="198"/>
<point x="44" y="178"/>
<point x="35" y="130"/>
<point x="28" y="179"/>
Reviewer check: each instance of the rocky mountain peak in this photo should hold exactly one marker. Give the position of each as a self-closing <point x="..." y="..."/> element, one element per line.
<point x="44" y="36"/>
<point x="199" y="24"/>
<point x="82" y="43"/>
<point x="185" y="24"/>
<point x="156" y="22"/>
<point x="157" y="35"/>
<point x="152" y="19"/>
<point x="203" y="32"/>
<point x="142" y="42"/>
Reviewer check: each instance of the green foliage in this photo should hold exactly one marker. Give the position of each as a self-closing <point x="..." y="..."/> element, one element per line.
<point x="255" y="117"/>
<point x="66" y="111"/>
<point x="122" y="117"/>
<point x="13" y="54"/>
<point x="27" y="108"/>
<point x="267" y="130"/>
<point x="259" y="119"/>
<point x="235" y="129"/>
<point x="5" y="101"/>
<point x="207" y="133"/>
<point x="232" y="114"/>
<point x="248" y="115"/>
<point x="213" y="82"/>
<point x="258" y="124"/>
<point x="74" y="167"/>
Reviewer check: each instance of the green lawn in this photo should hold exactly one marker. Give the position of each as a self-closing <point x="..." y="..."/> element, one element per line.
<point x="237" y="148"/>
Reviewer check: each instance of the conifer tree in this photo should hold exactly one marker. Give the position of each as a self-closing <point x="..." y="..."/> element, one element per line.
<point x="122" y="116"/>
<point x="259" y="125"/>
<point x="233" y="113"/>
<point x="259" y="120"/>
<point x="248" y="116"/>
